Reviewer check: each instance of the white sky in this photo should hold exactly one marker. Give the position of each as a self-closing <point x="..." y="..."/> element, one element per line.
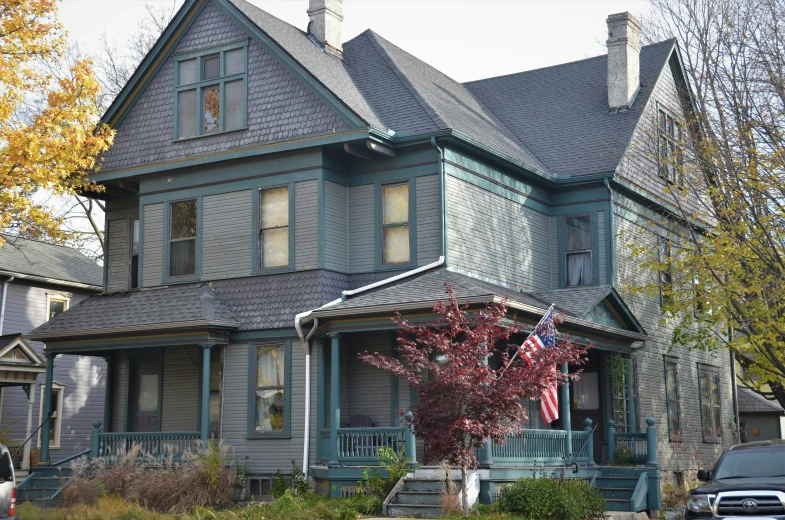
<point x="465" y="39"/>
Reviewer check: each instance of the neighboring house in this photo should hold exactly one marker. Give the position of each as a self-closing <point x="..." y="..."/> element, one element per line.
<point x="760" y="419"/>
<point x="273" y="196"/>
<point x="38" y="282"/>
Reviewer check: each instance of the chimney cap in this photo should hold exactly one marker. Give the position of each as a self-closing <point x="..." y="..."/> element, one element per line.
<point x="624" y="17"/>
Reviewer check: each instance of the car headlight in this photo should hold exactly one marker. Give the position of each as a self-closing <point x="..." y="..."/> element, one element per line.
<point x="699" y="503"/>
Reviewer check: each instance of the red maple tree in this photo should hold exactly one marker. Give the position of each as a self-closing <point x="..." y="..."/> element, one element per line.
<point x="461" y="400"/>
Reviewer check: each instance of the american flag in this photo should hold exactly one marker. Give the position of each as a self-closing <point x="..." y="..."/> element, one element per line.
<point x="543" y="336"/>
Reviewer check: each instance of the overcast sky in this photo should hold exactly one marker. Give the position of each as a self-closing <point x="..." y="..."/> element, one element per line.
<point x="465" y="39"/>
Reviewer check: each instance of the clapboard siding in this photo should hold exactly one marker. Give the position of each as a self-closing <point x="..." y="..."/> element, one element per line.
<point x="83" y="376"/>
<point x="497" y="238"/>
<point x="429" y="224"/>
<point x="152" y="244"/>
<point x="336" y="247"/>
<point x="227" y="245"/>
<point x="306" y="225"/>
<point x="118" y="250"/>
<point x="760" y="427"/>
<point x="121" y="375"/>
<point x="180" y="396"/>
<point x="602" y="247"/>
<point x="362" y="229"/>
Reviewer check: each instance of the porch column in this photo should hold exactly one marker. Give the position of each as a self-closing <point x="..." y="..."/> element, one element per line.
<point x="321" y="398"/>
<point x="109" y="393"/>
<point x="565" y="413"/>
<point x="204" y="429"/>
<point x="335" y="396"/>
<point x="47" y="428"/>
<point x="30" y="389"/>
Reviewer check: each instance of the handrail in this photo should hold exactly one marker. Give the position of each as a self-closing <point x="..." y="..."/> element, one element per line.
<point x="640" y="495"/>
<point x="72" y="457"/>
<point x="583" y="447"/>
<point x="151" y="435"/>
<point x="48" y="416"/>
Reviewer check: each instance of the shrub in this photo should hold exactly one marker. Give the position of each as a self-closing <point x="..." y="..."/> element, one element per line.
<point x="623" y="457"/>
<point x="556" y="499"/>
<point x="294" y="481"/>
<point x="395" y="465"/>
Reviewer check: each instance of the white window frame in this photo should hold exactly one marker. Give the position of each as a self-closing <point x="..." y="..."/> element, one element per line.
<point x="58" y="391"/>
<point x="58" y="297"/>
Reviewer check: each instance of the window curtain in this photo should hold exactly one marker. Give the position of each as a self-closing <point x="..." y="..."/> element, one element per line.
<point x="579" y="269"/>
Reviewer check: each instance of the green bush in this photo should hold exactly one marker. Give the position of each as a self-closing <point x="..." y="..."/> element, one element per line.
<point x="395" y="465"/>
<point x="555" y="499"/>
<point x="623" y="457"/>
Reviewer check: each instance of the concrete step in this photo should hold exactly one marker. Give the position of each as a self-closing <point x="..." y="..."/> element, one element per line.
<point x="413" y="511"/>
<point x="423" y="485"/>
<point x="430" y="498"/>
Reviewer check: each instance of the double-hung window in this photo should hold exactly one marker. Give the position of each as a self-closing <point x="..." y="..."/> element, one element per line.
<point x="269" y="385"/>
<point x="395" y="224"/>
<point x="134" y="278"/>
<point x="56" y="304"/>
<point x="670" y="133"/>
<point x="211" y="91"/>
<point x="182" y="238"/>
<point x="56" y="419"/>
<point x="578" y="248"/>
<point x="274" y="227"/>
<point x="711" y="409"/>
<point x="666" y="273"/>
<point x="672" y="398"/>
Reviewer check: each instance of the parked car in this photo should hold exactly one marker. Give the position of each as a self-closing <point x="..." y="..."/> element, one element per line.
<point x="7" y="485"/>
<point x="747" y="482"/>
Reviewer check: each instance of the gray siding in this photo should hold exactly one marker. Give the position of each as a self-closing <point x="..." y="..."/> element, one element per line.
<point x="368" y="388"/>
<point x="306" y="225"/>
<point x="118" y="250"/>
<point x="152" y="244"/>
<point x="280" y="108"/>
<point x="602" y="247"/>
<point x="767" y="426"/>
<point x="553" y="230"/>
<point x="494" y="237"/>
<point x="336" y="247"/>
<point x="227" y="235"/>
<point x="180" y="397"/>
<point x="362" y="228"/>
<point x="83" y="377"/>
<point x="119" y="408"/>
<point x="429" y="223"/>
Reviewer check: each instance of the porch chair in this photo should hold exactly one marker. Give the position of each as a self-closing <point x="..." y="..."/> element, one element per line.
<point x="363" y="444"/>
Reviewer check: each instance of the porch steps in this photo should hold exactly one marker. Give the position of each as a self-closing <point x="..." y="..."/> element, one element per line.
<point x="617" y="490"/>
<point x="418" y="498"/>
<point x="43" y="485"/>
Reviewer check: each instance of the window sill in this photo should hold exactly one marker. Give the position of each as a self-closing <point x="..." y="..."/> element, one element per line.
<point x="396" y="267"/>
<point x="181" y="279"/>
<point x="273" y="270"/>
<point x="191" y="138"/>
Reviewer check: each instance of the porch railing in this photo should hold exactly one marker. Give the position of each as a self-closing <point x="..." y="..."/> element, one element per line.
<point x="154" y="444"/>
<point x="357" y="445"/>
<point x="540" y="447"/>
<point x="641" y="446"/>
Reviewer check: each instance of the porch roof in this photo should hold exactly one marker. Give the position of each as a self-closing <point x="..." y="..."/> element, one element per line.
<point x="180" y="307"/>
<point x="423" y="291"/>
<point x="19" y="363"/>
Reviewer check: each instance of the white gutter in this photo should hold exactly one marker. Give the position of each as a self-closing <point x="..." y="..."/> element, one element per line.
<point x="305" y="340"/>
<point x="2" y="304"/>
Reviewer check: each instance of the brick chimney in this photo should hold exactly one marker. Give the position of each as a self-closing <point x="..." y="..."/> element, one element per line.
<point x="325" y="23"/>
<point x="624" y="59"/>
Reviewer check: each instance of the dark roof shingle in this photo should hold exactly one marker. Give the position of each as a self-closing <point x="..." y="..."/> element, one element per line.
<point x="30" y="257"/>
<point x="752" y="402"/>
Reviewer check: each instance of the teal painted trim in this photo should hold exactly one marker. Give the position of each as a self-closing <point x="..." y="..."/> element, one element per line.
<point x="560" y="245"/>
<point x="322" y="221"/>
<point x="348" y="115"/>
<point x="47" y="428"/>
<point x="263" y="149"/>
<point x="392" y="175"/>
<point x="286" y="433"/>
<point x="204" y="392"/>
<point x="140" y="271"/>
<point x="126" y="393"/>
<point x="161" y="389"/>
<point x="243" y="336"/>
<point x="632" y="397"/>
<point x="379" y="233"/>
<point x="595" y="242"/>
<point x="257" y="269"/>
<point x="394" y="384"/>
<point x="610" y="240"/>
<point x="166" y="278"/>
<point x="256" y="251"/>
<point x="197" y="53"/>
<point x="580" y="207"/>
<point x="321" y="397"/>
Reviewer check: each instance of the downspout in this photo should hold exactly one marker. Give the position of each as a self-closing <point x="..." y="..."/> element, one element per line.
<point x="2" y="303"/>
<point x="307" y="348"/>
<point x="611" y="260"/>
<point x="443" y="197"/>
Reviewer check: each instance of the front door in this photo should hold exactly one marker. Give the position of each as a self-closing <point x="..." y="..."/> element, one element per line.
<point x="586" y="399"/>
<point x="146" y="393"/>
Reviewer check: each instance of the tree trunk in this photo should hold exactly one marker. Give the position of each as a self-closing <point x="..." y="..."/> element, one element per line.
<point x="464" y="492"/>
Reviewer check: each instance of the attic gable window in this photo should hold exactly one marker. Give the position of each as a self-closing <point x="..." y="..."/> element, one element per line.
<point x="211" y="91"/>
<point x="670" y="132"/>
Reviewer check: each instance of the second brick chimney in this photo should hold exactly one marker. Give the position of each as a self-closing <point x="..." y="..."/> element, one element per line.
<point x="326" y="17"/>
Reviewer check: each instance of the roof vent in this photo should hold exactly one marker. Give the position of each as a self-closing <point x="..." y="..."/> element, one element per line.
<point x="326" y="17"/>
<point x="624" y="59"/>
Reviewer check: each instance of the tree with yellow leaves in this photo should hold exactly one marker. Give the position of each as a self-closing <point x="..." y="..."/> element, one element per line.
<point x="50" y="137"/>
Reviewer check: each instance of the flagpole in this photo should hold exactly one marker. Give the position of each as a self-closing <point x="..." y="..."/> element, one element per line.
<point x="527" y="337"/>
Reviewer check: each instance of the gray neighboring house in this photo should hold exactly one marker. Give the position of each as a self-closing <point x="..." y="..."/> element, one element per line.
<point x="37" y="282"/>
<point x="761" y="419"/>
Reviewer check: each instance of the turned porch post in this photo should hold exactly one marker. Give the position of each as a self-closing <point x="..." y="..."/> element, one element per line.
<point x="565" y="413"/>
<point x="335" y="396"/>
<point x="204" y="429"/>
<point x="47" y="428"/>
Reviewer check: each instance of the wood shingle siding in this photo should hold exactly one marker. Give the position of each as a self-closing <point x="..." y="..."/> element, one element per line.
<point x="306" y="225"/>
<point x="336" y="204"/>
<point x="497" y="238"/>
<point x="429" y="222"/>
<point x="180" y="395"/>
<point x="152" y="244"/>
<point x="118" y="252"/>
<point x="362" y="229"/>
<point x="227" y="235"/>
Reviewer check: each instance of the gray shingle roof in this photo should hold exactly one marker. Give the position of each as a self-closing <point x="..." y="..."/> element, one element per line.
<point x="8" y="339"/>
<point x="147" y="308"/>
<point x="752" y="402"/>
<point x="30" y="257"/>
<point x="561" y="112"/>
<point x="575" y="300"/>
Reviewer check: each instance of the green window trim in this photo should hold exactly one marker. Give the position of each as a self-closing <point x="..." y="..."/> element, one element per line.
<point x="712" y="433"/>
<point x="671" y="365"/>
<point x="257" y="229"/>
<point x="199" y="86"/>
<point x="197" y="275"/>
<point x="591" y="250"/>
<point x="379" y="228"/>
<point x="286" y="431"/>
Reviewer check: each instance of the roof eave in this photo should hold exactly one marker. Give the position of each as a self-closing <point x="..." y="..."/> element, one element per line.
<point x="53" y="281"/>
<point x="181" y="325"/>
